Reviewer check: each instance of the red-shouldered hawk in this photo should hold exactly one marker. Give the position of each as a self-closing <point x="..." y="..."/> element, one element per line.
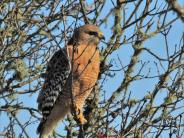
<point x="70" y="76"/>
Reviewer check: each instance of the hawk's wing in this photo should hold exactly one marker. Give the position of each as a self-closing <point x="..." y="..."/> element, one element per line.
<point x="57" y="72"/>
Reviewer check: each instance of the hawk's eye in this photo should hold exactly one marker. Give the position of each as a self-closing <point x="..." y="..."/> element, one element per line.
<point x="93" y="33"/>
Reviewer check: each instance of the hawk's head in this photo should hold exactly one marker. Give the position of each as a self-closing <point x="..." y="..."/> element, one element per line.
<point x="87" y="34"/>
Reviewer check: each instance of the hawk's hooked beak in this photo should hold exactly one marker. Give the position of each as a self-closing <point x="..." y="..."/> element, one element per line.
<point x="101" y="36"/>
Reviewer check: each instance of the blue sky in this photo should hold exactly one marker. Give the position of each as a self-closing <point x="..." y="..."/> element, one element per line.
<point x="139" y="88"/>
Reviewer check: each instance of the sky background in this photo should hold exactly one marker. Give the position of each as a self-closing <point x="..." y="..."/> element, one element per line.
<point x="139" y="88"/>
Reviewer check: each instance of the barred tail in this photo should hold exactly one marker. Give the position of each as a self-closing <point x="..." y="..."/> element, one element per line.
<point x="40" y="126"/>
<point x="57" y="114"/>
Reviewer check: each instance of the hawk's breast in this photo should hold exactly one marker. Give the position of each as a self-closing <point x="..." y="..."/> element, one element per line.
<point x="86" y="64"/>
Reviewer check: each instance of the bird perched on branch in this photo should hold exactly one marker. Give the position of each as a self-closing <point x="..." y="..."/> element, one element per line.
<point x="70" y="77"/>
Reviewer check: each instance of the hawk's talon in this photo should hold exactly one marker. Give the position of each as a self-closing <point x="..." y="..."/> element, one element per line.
<point x="79" y="115"/>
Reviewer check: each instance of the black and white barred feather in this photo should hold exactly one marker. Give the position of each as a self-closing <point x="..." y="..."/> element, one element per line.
<point x="57" y="73"/>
